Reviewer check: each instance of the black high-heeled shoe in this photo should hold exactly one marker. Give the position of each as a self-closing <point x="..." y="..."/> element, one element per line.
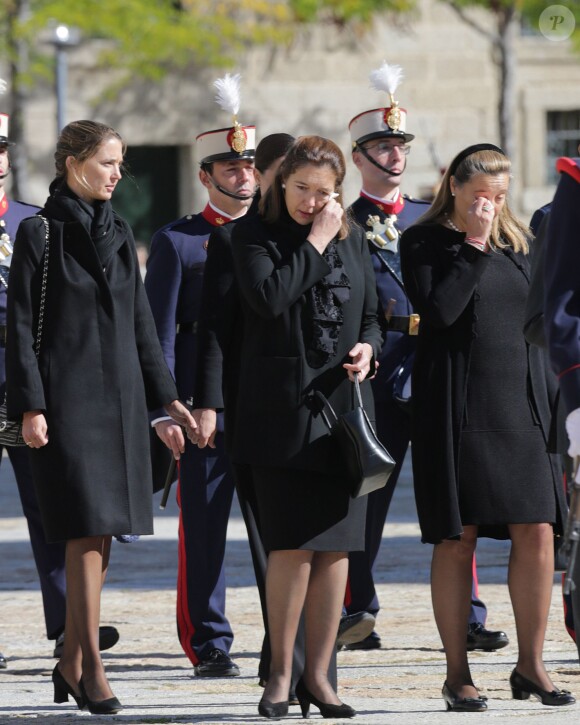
<point x="522" y="688"/>
<point x="110" y="706"/>
<point x="306" y="698"/>
<point x="273" y="710"/>
<point x="62" y="690"/>
<point x="454" y="703"/>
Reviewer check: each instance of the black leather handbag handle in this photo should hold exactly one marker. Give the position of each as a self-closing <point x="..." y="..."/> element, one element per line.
<point x="356" y="403"/>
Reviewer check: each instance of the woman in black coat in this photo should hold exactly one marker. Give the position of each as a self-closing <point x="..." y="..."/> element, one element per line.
<point x="309" y="323"/>
<point x="83" y="400"/>
<point x="481" y="416"/>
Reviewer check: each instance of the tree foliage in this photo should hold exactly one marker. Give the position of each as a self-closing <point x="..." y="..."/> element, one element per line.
<point x="532" y="9"/>
<point x="344" y="12"/>
<point x="527" y="12"/>
<point x="507" y="19"/>
<point x="150" y="37"/>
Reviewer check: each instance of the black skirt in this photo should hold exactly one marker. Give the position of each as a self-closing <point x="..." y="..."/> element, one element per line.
<point x="308" y="510"/>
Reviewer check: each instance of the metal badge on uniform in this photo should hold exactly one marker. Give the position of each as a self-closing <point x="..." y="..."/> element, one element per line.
<point x="237" y="138"/>
<point x="393" y="115"/>
<point x="384" y="235"/>
<point x="6" y="248"/>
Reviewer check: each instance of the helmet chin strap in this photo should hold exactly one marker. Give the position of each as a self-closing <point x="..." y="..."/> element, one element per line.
<point x="231" y="194"/>
<point x="368" y="157"/>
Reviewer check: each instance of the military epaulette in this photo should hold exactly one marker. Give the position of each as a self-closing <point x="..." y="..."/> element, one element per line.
<point x="24" y="203"/>
<point x="187" y="219"/>
<point x="569" y="166"/>
<point x="416" y="201"/>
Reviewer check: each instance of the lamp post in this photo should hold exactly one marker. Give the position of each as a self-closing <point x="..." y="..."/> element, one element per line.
<point x="62" y="38"/>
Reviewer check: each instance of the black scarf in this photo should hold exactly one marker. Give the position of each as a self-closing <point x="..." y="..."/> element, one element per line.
<point x="323" y="313"/>
<point x="97" y="218"/>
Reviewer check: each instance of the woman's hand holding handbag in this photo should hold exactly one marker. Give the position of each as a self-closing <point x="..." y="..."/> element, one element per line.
<point x="367" y="462"/>
<point x="362" y="355"/>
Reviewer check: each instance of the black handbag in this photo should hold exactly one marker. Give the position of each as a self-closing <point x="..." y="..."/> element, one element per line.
<point x="11" y="430"/>
<point x="368" y="464"/>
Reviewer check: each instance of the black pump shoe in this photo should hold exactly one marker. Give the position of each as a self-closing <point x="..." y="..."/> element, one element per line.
<point x="522" y="688"/>
<point x="306" y="698"/>
<point x="62" y="690"/>
<point x="463" y="704"/>
<point x="110" y="706"/>
<point x="273" y="710"/>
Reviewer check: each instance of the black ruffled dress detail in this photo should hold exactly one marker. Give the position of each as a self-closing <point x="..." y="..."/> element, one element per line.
<point x="324" y="310"/>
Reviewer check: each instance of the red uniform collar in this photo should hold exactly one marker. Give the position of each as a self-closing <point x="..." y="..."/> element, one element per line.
<point x="3" y="205"/>
<point x="389" y="207"/>
<point x="215" y="217"/>
<point x="569" y="166"/>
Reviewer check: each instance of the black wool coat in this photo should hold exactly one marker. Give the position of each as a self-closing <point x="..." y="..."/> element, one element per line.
<point x="441" y="275"/>
<point x="100" y="368"/>
<point x="277" y="419"/>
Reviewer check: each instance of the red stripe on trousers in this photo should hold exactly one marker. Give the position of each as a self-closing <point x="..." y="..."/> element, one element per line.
<point x="185" y="627"/>
<point x="347" y="594"/>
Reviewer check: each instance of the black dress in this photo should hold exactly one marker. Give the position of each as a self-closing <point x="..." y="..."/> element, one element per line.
<point x="504" y="473"/>
<point x="482" y="397"/>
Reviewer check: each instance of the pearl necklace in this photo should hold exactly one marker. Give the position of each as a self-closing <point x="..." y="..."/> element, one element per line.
<point x="452" y="225"/>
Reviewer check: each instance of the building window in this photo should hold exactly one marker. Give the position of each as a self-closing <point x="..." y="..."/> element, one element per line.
<point x="563" y="137"/>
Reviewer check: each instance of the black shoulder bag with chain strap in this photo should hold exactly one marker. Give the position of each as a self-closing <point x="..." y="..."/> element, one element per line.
<point x="11" y="430"/>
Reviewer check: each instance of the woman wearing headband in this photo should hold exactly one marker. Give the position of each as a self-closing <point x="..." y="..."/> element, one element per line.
<point x="481" y="414"/>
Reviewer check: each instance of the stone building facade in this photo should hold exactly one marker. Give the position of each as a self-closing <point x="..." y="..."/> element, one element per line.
<point x="316" y="86"/>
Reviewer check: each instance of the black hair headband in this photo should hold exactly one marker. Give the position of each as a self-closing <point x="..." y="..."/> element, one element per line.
<point x="472" y="150"/>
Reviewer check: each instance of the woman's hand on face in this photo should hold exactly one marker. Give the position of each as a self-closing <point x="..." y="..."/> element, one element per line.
<point x="480" y="217"/>
<point x="326" y="225"/>
<point x="361" y="354"/>
<point x="34" y="429"/>
<point x="172" y="435"/>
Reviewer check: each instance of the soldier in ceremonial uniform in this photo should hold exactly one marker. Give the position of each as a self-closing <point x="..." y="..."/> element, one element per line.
<point x="380" y="146"/>
<point x="174" y="285"/>
<point x="49" y="558"/>
<point x="562" y="312"/>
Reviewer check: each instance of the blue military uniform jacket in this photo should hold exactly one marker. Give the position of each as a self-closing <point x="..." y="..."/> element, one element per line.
<point x="398" y="346"/>
<point x="562" y="282"/>
<point x="11" y="214"/>
<point x="174" y="283"/>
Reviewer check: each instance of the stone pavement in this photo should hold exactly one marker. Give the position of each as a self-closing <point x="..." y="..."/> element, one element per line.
<point x="400" y="684"/>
